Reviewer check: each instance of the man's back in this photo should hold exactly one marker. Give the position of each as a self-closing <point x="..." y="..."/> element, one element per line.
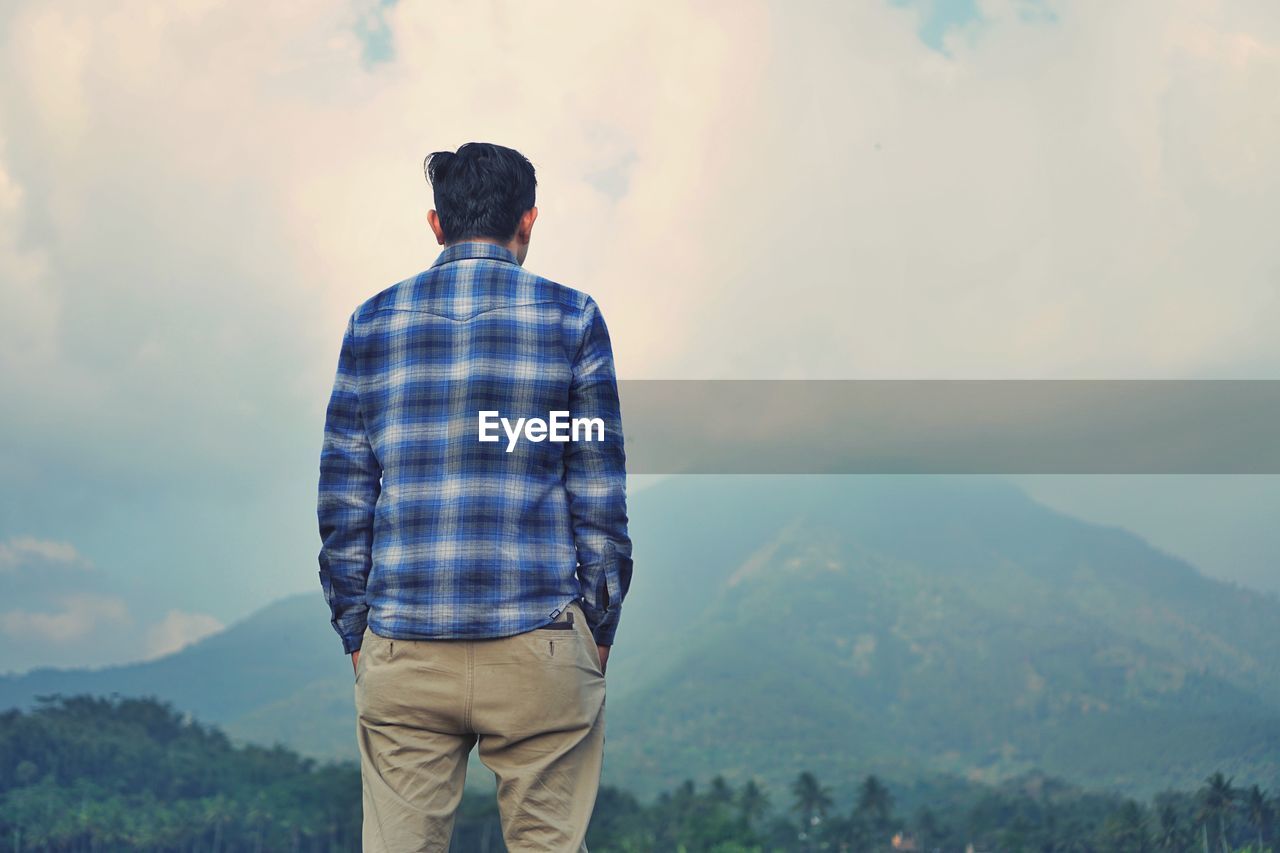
<point x="475" y="574"/>
<point x="473" y="538"/>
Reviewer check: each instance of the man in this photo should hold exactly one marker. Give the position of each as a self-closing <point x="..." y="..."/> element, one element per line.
<point x="476" y="581"/>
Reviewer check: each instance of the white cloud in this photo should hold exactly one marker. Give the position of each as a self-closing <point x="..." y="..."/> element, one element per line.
<point x="80" y="616"/>
<point x="193" y="196"/>
<point x="179" y="629"/>
<point x="20" y="549"/>
<point x="28" y="309"/>
<point x="91" y="628"/>
<point x="809" y="190"/>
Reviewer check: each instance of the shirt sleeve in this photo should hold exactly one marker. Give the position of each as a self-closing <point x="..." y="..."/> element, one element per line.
<point x="596" y="480"/>
<point x="350" y="482"/>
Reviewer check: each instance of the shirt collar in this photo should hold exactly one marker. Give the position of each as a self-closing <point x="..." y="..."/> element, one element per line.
<point x="475" y="249"/>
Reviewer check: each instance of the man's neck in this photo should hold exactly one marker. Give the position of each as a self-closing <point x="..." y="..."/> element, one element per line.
<point x="506" y="244"/>
<point x="512" y="245"/>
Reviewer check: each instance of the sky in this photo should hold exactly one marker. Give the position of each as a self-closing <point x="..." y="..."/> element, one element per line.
<point x="194" y="197"/>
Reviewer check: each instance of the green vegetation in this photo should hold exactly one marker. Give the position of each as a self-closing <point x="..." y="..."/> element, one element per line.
<point x="84" y="773"/>
<point x="89" y="773"/>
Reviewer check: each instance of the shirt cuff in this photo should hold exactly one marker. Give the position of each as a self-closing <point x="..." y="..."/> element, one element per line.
<point x="604" y="634"/>
<point x="602" y="623"/>
<point x="352" y="632"/>
<point x="351" y="642"/>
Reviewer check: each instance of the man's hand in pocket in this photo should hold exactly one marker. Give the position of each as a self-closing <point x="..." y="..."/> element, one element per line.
<point x="355" y="659"/>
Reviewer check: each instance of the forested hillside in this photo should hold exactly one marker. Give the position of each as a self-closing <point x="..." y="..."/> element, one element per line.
<point x="87" y="773"/>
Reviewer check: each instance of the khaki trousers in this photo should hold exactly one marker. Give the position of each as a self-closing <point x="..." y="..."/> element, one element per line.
<point x="534" y="702"/>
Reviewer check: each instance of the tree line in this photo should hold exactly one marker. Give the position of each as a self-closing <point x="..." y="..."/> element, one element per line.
<point x="87" y="773"/>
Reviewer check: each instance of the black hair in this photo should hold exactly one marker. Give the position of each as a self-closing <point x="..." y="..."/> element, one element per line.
<point x="481" y="190"/>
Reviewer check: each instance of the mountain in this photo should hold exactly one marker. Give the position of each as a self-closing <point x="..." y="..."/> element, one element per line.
<point x="906" y="626"/>
<point x="277" y="675"/>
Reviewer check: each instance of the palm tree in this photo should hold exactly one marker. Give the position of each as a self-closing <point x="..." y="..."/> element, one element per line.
<point x="927" y="830"/>
<point x="1258" y="809"/>
<point x="875" y="804"/>
<point x="753" y="802"/>
<point x="683" y="802"/>
<point x="1217" y="800"/>
<point x="720" y="791"/>
<point x="1126" y="830"/>
<point x="812" y="802"/>
<point x="1171" y="835"/>
<point x="217" y="812"/>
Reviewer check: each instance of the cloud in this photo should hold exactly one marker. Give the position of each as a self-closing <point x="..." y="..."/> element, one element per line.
<point x="92" y="629"/>
<point x="179" y="629"/>
<point x="19" y="550"/>
<point x="194" y="196"/>
<point x="79" y="617"/>
<point x="28" y="325"/>
<point x="751" y="189"/>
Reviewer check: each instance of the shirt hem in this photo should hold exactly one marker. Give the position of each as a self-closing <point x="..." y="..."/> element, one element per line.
<point x="376" y="627"/>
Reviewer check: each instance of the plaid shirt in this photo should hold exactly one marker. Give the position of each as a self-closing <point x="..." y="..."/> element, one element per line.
<point x="430" y="533"/>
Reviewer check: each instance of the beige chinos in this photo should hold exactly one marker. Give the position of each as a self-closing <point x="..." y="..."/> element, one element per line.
<point x="534" y="702"/>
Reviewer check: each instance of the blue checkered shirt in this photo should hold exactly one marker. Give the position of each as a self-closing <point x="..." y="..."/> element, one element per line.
<point x="429" y="532"/>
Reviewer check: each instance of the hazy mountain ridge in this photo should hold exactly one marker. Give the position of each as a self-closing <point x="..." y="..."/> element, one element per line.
<point x="843" y="625"/>
<point x="969" y="648"/>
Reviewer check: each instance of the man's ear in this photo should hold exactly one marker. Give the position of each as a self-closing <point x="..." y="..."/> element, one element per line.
<point x="433" y="219"/>
<point x="526" y="223"/>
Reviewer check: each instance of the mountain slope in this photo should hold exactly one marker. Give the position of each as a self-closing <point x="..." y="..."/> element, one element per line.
<point x="901" y="625"/>
<point x="934" y="624"/>
<point x="278" y="674"/>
